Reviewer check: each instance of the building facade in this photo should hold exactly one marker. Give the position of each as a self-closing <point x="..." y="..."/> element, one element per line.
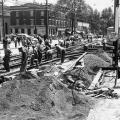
<point x="31" y="19"/>
<point x="82" y="27"/>
<point x="6" y="21"/>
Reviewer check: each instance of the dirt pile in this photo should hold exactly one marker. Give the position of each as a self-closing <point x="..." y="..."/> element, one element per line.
<point x="93" y="64"/>
<point x="29" y="98"/>
<point x="43" y="99"/>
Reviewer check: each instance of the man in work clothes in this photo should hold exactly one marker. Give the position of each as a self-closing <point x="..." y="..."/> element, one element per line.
<point x="39" y="51"/>
<point x="24" y="53"/>
<point x="6" y="59"/>
<point x="61" y="51"/>
<point x="34" y="56"/>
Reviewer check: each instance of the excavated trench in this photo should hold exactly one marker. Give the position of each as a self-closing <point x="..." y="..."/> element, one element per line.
<point x="40" y="96"/>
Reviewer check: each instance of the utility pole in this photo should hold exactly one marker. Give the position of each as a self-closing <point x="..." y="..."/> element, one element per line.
<point x="116" y="15"/>
<point x="3" y="28"/>
<point x="35" y="30"/>
<point x="74" y="17"/>
<point x="46" y="19"/>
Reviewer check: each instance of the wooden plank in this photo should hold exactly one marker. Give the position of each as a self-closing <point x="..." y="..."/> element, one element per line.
<point x="70" y="67"/>
<point x="96" y="79"/>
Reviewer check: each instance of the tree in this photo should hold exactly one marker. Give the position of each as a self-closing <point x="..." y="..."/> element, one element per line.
<point x="107" y="20"/>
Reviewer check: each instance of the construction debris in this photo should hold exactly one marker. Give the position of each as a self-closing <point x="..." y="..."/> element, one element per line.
<point x="49" y="93"/>
<point x="103" y="92"/>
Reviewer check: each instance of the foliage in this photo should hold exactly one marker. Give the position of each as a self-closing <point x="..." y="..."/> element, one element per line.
<point x="107" y="19"/>
<point x="99" y="22"/>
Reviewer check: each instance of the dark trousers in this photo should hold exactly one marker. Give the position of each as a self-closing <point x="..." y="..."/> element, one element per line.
<point x="23" y="67"/>
<point x="49" y="56"/>
<point x="39" y="57"/>
<point x="58" y="53"/>
<point x="34" y="59"/>
<point x="6" y="64"/>
<point x="62" y="56"/>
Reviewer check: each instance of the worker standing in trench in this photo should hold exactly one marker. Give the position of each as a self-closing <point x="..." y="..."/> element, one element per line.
<point x="39" y="50"/>
<point x="61" y="51"/>
<point x="24" y="59"/>
<point x="6" y="59"/>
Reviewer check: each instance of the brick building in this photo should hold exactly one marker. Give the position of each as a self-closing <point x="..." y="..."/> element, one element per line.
<point x="6" y="21"/>
<point x="31" y="18"/>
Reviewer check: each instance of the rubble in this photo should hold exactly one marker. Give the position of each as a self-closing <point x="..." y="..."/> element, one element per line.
<point x="47" y="98"/>
<point x="49" y="94"/>
<point x="102" y="92"/>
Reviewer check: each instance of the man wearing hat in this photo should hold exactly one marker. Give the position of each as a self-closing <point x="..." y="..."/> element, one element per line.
<point x="24" y="54"/>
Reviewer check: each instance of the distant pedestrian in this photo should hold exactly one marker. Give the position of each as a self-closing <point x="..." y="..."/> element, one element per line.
<point x="104" y="44"/>
<point x="18" y="40"/>
<point x="5" y="43"/>
<point x="6" y="59"/>
<point x="24" y="60"/>
<point x="15" y="41"/>
<point x="61" y="51"/>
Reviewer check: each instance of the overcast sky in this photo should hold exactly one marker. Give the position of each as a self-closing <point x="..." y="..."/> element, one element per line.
<point x="96" y="4"/>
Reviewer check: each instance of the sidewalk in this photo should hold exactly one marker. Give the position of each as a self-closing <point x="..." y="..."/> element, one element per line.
<point x="12" y="47"/>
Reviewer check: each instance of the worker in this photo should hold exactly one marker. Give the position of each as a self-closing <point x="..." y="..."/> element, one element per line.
<point x="34" y="56"/>
<point x="61" y="51"/>
<point x="85" y="48"/>
<point x="24" y="53"/>
<point x="47" y="48"/>
<point x="47" y="43"/>
<point x="6" y="59"/>
<point x="104" y="44"/>
<point x="39" y="51"/>
<point x="48" y="53"/>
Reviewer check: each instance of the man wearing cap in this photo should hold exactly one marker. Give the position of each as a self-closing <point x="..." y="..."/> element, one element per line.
<point x="24" y="53"/>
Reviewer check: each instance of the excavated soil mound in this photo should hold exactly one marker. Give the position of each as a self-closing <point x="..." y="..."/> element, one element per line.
<point x="29" y="98"/>
<point x="43" y="99"/>
<point x="93" y="64"/>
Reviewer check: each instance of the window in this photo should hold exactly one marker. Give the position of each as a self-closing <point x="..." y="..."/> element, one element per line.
<point x="11" y="30"/>
<point x="31" y="13"/>
<point x="16" y="30"/>
<point x="22" y="31"/>
<point x="31" y="22"/>
<point x="42" y="13"/>
<point x="42" y="21"/>
<point x="17" y="21"/>
<point x="29" y="31"/>
<point x="17" y="14"/>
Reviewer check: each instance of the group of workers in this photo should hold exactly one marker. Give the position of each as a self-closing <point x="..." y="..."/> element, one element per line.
<point x="35" y="55"/>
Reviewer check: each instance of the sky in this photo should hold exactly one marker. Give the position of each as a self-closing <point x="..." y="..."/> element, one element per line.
<point x="95" y="4"/>
<point x="100" y="4"/>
